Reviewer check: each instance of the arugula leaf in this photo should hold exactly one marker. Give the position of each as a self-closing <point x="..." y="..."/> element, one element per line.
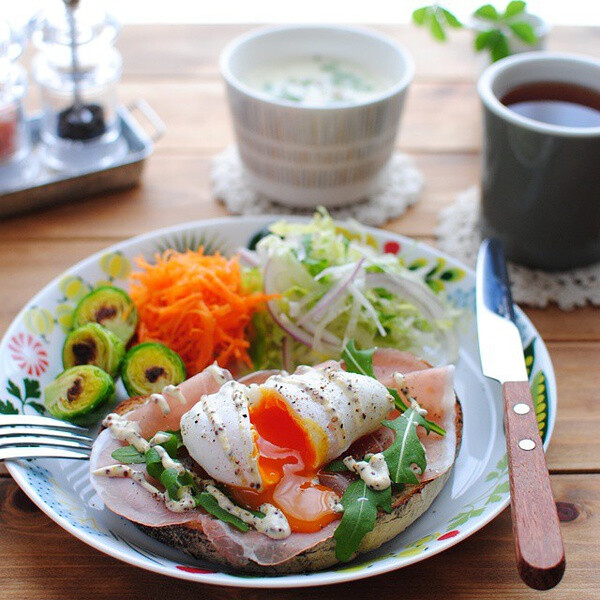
<point x="360" y="513"/>
<point x="173" y="482"/>
<point x="335" y="466"/>
<point x="211" y="506"/>
<point x="171" y="445"/>
<point x="128" y="455"/>
<point x="178" y="436"/>
<point x="358" y="361"/>
<point x="154" y="464"/>
<point x="406" y="449"/>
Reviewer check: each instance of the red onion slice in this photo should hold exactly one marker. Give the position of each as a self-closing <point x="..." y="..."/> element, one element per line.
<point x="318" y="309"/>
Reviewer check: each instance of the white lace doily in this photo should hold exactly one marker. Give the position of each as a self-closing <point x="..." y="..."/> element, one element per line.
<point x="458" y="235"/>
<point x="399" y="187"/>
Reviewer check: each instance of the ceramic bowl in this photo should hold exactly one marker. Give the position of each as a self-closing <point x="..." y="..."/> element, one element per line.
<point x="307" y="156"/>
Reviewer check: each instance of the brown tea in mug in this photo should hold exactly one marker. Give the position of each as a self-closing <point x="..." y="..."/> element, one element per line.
<point x="556" y="103"/>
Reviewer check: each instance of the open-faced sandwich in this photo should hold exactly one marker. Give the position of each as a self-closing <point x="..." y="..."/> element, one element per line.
<point x="279" y="472"/>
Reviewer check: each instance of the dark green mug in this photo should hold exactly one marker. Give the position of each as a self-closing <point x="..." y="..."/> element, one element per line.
<point x="540" y="188"/>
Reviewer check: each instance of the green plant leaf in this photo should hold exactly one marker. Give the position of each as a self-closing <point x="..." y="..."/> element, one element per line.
<point x="335" y="466"/>
<point x="436" y="28"/>
<point x="360" y="513"/>
<point x="492" y="475"/>
<point x="39" y="408"/>
<point x="7" y="408"/>
<point x="154" y="464"/>
<point x="420" y="15"/>
<point x="516" y="7"/>
<point x="128" y="455"/>
<point x="13" y="390"/>
<point x="500" y="49"/>
<point x="358" y="361"/>
<point x="451" y="18"/>
<point x="211" y="506"/>
<point x="486" y="39"/>
<point x="524" y="31"/>
<point x="406" y="449"/>
<point x="32" y="388"/>
<point x="487" y="12"/>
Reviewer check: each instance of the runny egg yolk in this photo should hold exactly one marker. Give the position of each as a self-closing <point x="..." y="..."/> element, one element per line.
<point x="288" y="466"/>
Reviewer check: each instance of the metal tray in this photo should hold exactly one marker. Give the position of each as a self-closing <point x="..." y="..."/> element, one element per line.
<point x="49" y="187"/>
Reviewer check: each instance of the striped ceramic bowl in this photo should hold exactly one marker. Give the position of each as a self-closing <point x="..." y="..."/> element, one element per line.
<point x="307" y="156"/>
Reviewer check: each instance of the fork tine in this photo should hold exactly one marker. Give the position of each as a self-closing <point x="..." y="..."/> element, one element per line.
<point x="43" y="452"/>
<point x="36" y="440"/>
<point x="7" y="432"/>
<point x="6" y="420"/>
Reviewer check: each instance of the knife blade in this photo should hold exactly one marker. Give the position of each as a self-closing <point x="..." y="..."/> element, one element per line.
<point x="536" y="529"/>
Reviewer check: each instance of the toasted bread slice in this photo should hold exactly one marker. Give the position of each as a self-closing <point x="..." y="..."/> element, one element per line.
<point x="407" y="506"/>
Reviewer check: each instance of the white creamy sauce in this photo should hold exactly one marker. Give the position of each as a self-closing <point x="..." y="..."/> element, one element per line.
<point x="170" y="392"/>
<point x="273" y="524"/>
<point x="317" y="81"/>
<point x="374" y="473"/>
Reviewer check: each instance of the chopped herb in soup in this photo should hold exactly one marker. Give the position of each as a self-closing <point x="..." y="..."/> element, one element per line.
<point x="317" y="81"/>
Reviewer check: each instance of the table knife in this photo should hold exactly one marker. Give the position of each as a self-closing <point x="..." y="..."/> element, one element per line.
<point x="536" y="529"/>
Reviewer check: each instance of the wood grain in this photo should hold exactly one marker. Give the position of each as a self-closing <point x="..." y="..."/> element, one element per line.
<point x="538" y="541"/>
<point x="175" y="68"/>
<point x="41" y="561"/>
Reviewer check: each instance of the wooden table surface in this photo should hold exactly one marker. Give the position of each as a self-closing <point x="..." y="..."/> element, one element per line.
<point x="175" y="69"/>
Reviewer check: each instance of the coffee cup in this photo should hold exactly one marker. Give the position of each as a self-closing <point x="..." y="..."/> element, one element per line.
<point x="540" y="188"/>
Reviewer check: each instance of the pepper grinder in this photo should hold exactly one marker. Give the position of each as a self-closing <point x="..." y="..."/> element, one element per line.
<point x="17" y="165"/>
<point x="77" y="70"/>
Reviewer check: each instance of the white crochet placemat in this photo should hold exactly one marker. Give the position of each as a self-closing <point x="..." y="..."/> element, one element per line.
<point x="458" y="235"/>
<point x="399" y="186"/>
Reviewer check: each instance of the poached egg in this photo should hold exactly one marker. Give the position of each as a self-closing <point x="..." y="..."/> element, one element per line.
<point x="267" y="442"/>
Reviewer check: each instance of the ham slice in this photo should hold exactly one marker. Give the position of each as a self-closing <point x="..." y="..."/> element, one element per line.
<point x="431" y="387"/>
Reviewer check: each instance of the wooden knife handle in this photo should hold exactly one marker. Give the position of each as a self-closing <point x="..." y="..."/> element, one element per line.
<point x="538" y="540"/>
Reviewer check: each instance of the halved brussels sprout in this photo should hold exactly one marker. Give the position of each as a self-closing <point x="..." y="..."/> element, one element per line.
<point x="112" y="308"/>
<point x="92" y="344"/>
<point x="79" y="393"/>
<point x="149" y="367"/>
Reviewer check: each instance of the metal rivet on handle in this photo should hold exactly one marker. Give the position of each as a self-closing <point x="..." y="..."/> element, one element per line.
<point x="526" y="444"/>
<point x="521" y="408"/>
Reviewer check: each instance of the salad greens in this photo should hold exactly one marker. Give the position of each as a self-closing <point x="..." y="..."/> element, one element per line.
<point x="335" y="285"/>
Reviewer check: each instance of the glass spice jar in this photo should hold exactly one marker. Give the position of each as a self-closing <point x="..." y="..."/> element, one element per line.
<point x="77" y="70"/>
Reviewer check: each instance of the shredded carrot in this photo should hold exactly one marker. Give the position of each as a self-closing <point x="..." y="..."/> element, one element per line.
<point x="196" y="305"/>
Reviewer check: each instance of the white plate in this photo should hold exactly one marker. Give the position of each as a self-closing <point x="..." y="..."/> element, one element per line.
<point x="30" y="357"/>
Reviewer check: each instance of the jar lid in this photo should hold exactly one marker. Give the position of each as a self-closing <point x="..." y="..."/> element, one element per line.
<point x="92" y="23"/>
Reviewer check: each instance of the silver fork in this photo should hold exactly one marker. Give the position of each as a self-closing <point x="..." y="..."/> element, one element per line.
<point x="31" y="436"/>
